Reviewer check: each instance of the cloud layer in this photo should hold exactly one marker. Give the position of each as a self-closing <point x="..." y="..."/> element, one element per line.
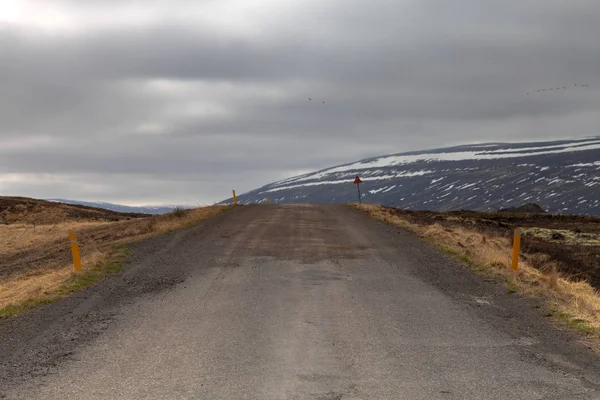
<point x="181" y="101"/>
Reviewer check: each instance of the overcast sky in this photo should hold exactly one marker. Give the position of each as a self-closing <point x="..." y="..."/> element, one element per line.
<point x="178" y="102"/>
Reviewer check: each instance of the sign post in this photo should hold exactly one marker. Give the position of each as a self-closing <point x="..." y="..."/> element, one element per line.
<point x="357" y="182"/>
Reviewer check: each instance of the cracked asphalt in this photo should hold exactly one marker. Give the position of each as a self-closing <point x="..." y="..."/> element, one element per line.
<point x="293" y="302"/>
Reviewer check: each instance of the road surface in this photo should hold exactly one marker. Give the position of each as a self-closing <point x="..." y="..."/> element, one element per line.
<point x="293" y="302"/>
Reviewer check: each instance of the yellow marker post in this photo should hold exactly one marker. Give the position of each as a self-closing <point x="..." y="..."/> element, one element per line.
<point x="75" y="251"/>
<point x="516" y="249"/>
<point x="268" y="201"/>
<point x="234" y="198"/>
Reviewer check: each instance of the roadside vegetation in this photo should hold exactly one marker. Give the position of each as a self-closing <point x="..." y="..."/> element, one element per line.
<point x="564" y="275"/>
<point x="36" y="265"/>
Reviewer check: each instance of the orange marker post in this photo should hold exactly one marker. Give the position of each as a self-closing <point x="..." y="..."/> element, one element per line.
<point x="516" y="249"/>
<point x="75" y="251"/>
<point x="234" y="198"/>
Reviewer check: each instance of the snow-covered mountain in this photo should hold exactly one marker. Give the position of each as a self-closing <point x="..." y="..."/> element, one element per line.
<point x="561" y="176"/>
<point x="119" y="207"/>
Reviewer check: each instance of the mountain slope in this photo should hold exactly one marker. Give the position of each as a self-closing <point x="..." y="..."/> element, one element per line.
<point x="561" y="176"/>
<point x="119" y="208"/>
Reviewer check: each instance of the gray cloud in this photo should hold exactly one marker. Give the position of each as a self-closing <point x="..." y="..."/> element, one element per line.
<point x="162" y="101"/>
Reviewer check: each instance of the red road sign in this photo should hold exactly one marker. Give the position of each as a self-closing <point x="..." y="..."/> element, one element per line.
<point x="357" y="180"/>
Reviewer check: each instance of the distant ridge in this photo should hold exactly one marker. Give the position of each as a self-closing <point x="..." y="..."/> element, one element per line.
<point x="119" y="207"/>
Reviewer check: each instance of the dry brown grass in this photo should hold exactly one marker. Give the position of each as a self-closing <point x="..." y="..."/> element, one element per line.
<point x="36" y="265"/>
<point x="38" y="286"/>
<point x="16" y="237"/>
<point x="564" y="236"/>
<point x="575" y="302"/>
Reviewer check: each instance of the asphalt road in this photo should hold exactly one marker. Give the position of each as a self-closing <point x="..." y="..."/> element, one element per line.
<point x="293" y="302"/>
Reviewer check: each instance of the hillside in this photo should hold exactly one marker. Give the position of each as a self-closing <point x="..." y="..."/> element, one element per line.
<point x="561" y="176"/>
<point x="34" y="211"/>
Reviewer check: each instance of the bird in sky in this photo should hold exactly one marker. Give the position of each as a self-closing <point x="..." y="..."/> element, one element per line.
<point x="560" y="88"/>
